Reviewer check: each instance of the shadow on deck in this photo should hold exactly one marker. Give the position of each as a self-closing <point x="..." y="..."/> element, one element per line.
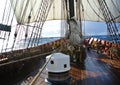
<point x="97" y="70"/>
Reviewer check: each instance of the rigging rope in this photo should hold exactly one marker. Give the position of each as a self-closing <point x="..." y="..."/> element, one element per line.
<point x="18" y="26"/>
<point x="117" y="10"/>
<point x="21" y="19"/>
<point x="23" y="12"/>
<point x="29" y="17"/>
<point x="83" y="17"/>
<point x="80" y="16"/>
<point x="64" y="14"/>
<point x="8" y="13"/>
<point x="95" y="11"/>
<point x="41" y="16"/>
<point x="3" y="21"/>
<point x="33" y="29"/>
<point x="40" y="71"/>
<point x="115" y="6"/>
<point x="11" y="23"/>
<point x="109" y="18"/>
<point x="68" y="18"/>
<point x="45" y="17"/>
<point x="15" y="36"/>
<point x="4" y="11"/>
<point x="6" y="21"/>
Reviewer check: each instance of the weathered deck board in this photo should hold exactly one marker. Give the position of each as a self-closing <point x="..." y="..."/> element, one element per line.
<point x="97" y="70"/>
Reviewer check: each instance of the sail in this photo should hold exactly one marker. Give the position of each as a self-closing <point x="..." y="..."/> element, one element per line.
<point x="55" y="10"/>
<point x="92" y="10"/>
<point x="89" y="8"/>
<point x="25" y="8"/>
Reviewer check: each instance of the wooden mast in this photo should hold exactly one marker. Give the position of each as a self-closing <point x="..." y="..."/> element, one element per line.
<point x="71" y="8"/>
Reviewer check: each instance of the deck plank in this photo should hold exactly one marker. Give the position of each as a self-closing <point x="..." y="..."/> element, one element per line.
<point x="97" y="70"/>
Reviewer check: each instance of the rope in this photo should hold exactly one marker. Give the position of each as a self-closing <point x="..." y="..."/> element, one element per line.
<point x="17" y="28"/>
<point x="3" y="42"/>
<point x="21" y="19"/>
<point x="24" y="11"/>
<point x="109" y="18"/>
<point x="83" y="17"/>
<point x="15" y="36"/>
<point x="29" y="17"/>
<point x="94" y="10"/>
<point x="4" y="11"/>
<point x="41" y="23"/>
<point x="35" y="23"/>
<point x="20" y="33"/>
<point x="44" y="20"/>
<point x="14" y="11"/>
<point x="2" y="22"/>
<point x="8" y="13"/>
<point x="10" y="24"/>
<point x="40" y="71"/>
<point x="6" y="20"/>
<point x="115" y="5"/>
<point x="80" y="18"/>
<point x="42" y="15"/>
<point x="64" y="14"/>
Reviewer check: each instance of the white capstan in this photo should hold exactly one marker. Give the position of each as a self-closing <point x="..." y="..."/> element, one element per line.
<point x="59" y="63"/>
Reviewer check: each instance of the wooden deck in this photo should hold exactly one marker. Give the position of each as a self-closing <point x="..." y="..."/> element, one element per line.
<point x="97" y="70"/>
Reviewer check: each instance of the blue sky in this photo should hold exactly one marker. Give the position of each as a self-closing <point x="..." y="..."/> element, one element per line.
<point x="53" y="28"/>
<point x="95" y="28"/>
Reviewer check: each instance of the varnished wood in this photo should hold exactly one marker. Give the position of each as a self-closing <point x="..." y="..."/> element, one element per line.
<point x="97" y="70"/>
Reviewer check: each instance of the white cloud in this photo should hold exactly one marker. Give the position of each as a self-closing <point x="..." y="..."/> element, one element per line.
<point x="51" y="29"/>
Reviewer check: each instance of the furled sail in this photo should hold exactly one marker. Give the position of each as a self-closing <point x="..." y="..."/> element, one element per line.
<point x="73" y="34"/>
<point x="90" y="9"/>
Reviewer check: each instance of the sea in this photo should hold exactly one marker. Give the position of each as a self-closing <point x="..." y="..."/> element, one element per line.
<point x="40" y="41"/>
<point x="103" y="37"/>
<point x="21" y="43"/>
<point x="50" y="39"/>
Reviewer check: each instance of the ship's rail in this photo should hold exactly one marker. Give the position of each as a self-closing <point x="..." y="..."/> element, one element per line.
<point x="108" y="48"/>
<point x="101" y="46"/>
<point x="25" y="54"/>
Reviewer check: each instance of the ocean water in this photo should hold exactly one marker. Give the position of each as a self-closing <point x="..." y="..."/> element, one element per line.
<point x="50" y="39"/>
<point x="22" y="44"/>
<point x="102" y="37"/>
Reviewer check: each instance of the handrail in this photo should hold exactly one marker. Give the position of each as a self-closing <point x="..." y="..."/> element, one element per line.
<point x="40" y="71"/>
<point x="13" y="61"/>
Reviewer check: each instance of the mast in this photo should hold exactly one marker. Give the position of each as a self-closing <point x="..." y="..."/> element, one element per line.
<point x="71" y="8"/>
<point x="74" y="32"/>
